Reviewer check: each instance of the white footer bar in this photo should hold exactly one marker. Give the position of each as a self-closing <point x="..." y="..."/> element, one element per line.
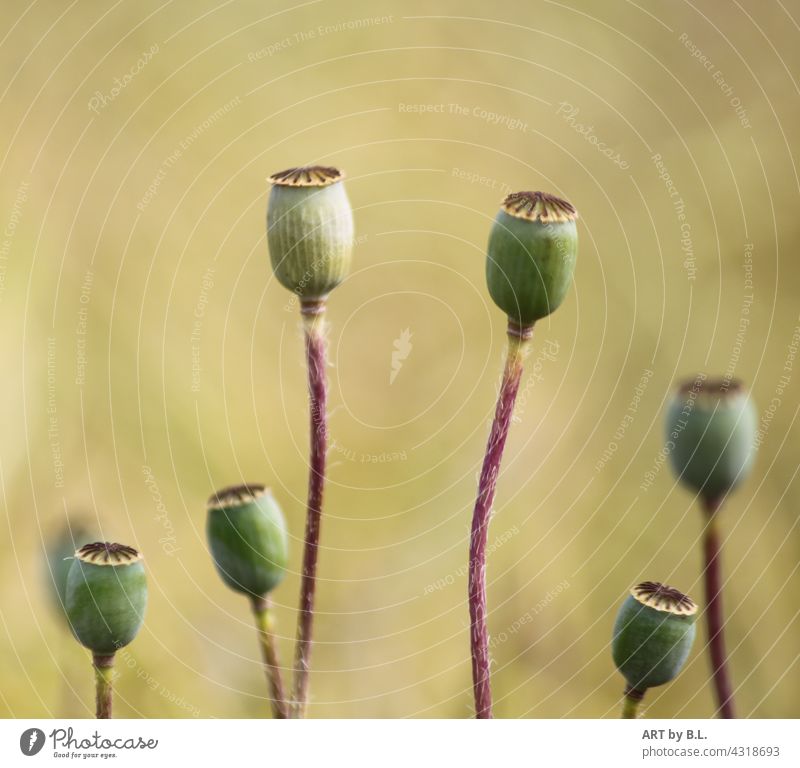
<point x="401" y="743"/>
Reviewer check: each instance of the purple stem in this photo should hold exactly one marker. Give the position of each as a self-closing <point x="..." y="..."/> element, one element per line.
<point x="479" y="635"/>
<point x="313" y="316"/>
<point x="716" y="623"/>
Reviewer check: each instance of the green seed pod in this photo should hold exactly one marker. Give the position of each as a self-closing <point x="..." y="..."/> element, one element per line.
<point x="531" y="256"/>
<point x="60" y="552"/>
<point x="247" y="535"/>
<point x="106" y="596"/>
<point x="711" y="430"/>
<point x="309" y="230"/>
<point x="653" y="635"/>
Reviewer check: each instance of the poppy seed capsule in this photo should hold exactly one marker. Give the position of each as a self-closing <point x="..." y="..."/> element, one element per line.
<point x="247" y="535"/>
<point x="531" y="255"/>
<point x="711" y="429"/>
<point x="106" y="596"/>
<point x="60" y="553"/>
<point x="653" y="635"/>
<point x="309" y="230"/>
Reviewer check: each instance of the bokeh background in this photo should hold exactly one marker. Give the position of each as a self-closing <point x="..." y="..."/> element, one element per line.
<point x="149" y="357"/>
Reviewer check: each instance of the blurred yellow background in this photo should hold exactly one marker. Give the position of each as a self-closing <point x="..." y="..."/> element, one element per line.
<point x="150" y="358"/>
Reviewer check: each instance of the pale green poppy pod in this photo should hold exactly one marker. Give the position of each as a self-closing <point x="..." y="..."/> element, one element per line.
<point x="309" y="230"/>
<point x="710" y="431"/>
<point x="59" y="554"/>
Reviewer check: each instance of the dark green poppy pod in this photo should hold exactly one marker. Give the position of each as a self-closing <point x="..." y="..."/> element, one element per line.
<point x="247" y="535"/>
<point x="653" y="635"/>
<point x="106" y="596"/>
<point x="309" y="230"/>
<point x="531" y="256"/>
<point x="711" y="431"/>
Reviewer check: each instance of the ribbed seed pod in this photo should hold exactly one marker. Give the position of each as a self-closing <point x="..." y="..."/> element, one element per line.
<point x="653" y="635"/>
<point x="711" y="429"/>
<point x="533" y="247"/>
<point x="106" y="596"/>
<point x="309" y="230"/>
<point x="247" y="535"/>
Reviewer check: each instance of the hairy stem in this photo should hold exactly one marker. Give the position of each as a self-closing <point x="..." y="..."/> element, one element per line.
<point x="314" y="322"/>
<point x="713" y="585"/>
<point x="269" y="652"/>
<point x="103" y="675"/>
<point x="631" y="702"/>
<point x="479" y="635"/>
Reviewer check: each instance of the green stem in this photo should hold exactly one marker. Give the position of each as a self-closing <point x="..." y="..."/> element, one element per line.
<point x="103" y="675"/>
<point x="630" y="703"/>
<point x="272" y="667"/>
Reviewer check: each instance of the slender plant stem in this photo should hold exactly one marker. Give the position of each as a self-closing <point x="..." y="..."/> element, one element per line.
<point x="272" y="666"/>
<point x="103" y="675"/>
<point x="714" y="616"/>
<point x="630" y="703"/>
<point x="314" y="322"/>
<point x="479" y="636"/>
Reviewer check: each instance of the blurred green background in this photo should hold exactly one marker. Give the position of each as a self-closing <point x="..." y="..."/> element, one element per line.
<point x="150" y="358"/>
